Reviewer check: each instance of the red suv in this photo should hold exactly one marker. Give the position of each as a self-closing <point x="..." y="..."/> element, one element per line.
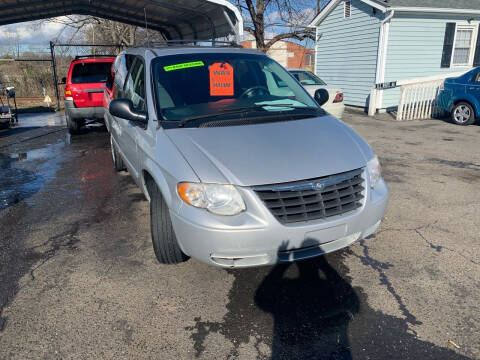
<point x="84" y="87"/>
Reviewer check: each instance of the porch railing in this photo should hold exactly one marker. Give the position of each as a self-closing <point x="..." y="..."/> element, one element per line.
<point x="419" y="101"/>
<point x="418" y="97"/>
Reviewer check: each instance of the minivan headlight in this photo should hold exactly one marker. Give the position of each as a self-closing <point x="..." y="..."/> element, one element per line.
<point x="218" y="199"/>
<point x="374" y="171"/>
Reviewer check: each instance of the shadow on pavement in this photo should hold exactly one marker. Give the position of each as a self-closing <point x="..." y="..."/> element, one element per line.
<point x="312" y="306"/>
<point x="310" y="310"/>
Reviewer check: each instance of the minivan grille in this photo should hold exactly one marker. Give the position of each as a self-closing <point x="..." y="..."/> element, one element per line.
<point x="314" y="199"/>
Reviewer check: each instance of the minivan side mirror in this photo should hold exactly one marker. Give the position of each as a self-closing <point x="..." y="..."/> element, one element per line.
<point x="123" y="108"/>
<point x="64" y="80"/>
<point x="321" y="96"/>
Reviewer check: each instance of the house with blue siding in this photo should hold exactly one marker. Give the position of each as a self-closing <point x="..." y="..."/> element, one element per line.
<point x="363" y="44"/>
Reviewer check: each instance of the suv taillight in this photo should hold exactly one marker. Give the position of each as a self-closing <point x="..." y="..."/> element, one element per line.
<point x="338" y="98"/>
<point x="442" y="87"/>
<point x="68" y="94"/>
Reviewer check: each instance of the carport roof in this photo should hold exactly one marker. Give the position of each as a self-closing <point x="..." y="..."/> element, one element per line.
<point x="177" y="20"/>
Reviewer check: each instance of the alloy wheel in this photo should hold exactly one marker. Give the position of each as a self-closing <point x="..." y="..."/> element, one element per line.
<point x="462" y="114"/>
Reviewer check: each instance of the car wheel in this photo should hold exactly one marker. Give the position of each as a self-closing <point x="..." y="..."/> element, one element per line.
<point x="74" y="125"/>
<point x="165" y="244"/>
<point x="463" y="114"/>
<point x="118" y="163"/>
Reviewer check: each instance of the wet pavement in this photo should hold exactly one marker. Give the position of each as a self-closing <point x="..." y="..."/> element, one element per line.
<point x="78" y="277"/>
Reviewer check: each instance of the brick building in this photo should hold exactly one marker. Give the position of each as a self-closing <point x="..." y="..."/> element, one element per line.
<point x="287" y="54"/>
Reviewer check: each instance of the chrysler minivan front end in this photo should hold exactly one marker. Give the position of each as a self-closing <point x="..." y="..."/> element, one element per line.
<point x="244" y="167"/>
<point x="277" y="180"/>
<point x="278" y="223"/>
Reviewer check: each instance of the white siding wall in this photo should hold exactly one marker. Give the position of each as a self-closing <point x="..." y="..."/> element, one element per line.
<point x="415" y="48"/>
<point x="347" y="51"/>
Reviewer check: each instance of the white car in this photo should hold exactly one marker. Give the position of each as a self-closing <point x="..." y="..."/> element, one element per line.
<point x="312" y="83"/>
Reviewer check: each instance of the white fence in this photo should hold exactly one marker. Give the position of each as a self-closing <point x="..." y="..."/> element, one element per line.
<point x="418" y="97"/>
<point x="419" y="101"/>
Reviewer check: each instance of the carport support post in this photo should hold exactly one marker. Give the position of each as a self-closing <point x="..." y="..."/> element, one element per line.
<point x="54" y="69"/>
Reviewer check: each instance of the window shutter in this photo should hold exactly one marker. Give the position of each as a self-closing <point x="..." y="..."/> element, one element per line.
<point x="476" y="59"/>
<point x="448" y="45"/>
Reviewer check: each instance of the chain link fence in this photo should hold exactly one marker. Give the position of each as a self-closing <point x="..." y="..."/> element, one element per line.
<point x="30" y="72"/>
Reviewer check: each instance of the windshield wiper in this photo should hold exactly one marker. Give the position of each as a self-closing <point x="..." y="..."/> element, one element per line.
<point x="237" y="110"/>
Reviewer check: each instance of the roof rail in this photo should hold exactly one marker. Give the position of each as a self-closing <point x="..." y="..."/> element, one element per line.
<point x="190" y="43"/>
<point x="93" y="56"/>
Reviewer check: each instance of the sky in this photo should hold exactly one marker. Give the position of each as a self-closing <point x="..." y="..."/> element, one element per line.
<point x="29" y="33"/>
<point x="34" y="34"/>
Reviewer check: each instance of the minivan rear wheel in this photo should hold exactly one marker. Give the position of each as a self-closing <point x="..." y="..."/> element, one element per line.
<point x="463" y="114"/>
<point x="74" y="125"/>
<point x="165" y="244"/>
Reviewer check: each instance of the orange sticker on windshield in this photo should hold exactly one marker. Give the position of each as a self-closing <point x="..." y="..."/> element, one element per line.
<point x="221" y="80"/>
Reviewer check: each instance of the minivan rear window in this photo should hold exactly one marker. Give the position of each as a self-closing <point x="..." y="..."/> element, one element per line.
<point x="97" y="72"/>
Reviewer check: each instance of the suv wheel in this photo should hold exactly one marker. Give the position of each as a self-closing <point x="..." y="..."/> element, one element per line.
<point x="165" y="243"/>
<point x="463" y="114"/>
<point x="74" y="126"/>
<point x="118" y="163"/>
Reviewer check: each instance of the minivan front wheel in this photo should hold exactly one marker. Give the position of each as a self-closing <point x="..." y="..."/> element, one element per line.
<point x="118" y="164"/>
<point x="463" y="114"/>
<point x="165" y="244"/>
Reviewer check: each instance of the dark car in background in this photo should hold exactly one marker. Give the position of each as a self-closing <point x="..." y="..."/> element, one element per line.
<point x="84" y="89"/>
<point x="460" y="97"/>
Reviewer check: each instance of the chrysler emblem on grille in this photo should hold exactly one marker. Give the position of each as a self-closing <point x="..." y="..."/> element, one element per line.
<point x="318" y="186"/>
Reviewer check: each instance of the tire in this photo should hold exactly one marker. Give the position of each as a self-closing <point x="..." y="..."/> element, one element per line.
<point x="74" y="125"/>
<point x="463" y="114"/>
<point x="165" y="244"/>
<point x="117" y="160"/>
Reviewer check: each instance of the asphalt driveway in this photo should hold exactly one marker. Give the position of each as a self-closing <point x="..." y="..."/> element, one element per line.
<point x="78" y="277"/>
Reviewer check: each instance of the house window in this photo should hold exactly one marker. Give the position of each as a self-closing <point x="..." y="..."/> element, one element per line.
<point x="347" y="9"/>
<point x="464" y="46"/>
<point x="308" y="60"/>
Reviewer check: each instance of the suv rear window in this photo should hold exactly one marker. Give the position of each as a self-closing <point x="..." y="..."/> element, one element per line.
<point x="97" y="72"/>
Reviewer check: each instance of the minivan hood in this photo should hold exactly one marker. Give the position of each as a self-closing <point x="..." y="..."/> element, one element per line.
<point x="271" y="153"/>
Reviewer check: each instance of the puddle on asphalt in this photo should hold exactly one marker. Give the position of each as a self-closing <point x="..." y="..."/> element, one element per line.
<point x="23" y="174"/>
<point x="41" y="119"/>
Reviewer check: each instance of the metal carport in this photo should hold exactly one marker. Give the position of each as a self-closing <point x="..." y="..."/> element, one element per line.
<point x="176" y="20"/>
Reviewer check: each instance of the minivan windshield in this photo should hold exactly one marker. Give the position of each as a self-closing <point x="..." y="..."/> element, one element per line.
<point x="201" y="85"/>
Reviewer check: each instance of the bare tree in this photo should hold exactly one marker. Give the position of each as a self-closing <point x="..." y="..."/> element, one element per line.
<point x="270" y="21"/>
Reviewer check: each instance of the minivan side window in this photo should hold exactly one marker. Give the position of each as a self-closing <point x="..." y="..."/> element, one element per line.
<point x="122" y="65"/>
<point x="135" y="85"/>
<point x="110" y="77"/>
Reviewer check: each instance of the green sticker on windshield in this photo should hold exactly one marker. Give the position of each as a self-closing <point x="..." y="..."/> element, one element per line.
<point x="184" y="66"/>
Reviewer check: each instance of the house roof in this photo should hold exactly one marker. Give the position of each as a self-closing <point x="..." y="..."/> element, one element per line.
<point x="463" y="7"/>
<point x="445" y="4"/>
<point x="179" y="19"/>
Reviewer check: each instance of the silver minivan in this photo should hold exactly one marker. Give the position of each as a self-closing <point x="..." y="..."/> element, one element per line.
<point x="241" y="166"/>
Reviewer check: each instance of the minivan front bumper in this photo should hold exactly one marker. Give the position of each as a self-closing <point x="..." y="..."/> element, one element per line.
<point x="257" y="238"/>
